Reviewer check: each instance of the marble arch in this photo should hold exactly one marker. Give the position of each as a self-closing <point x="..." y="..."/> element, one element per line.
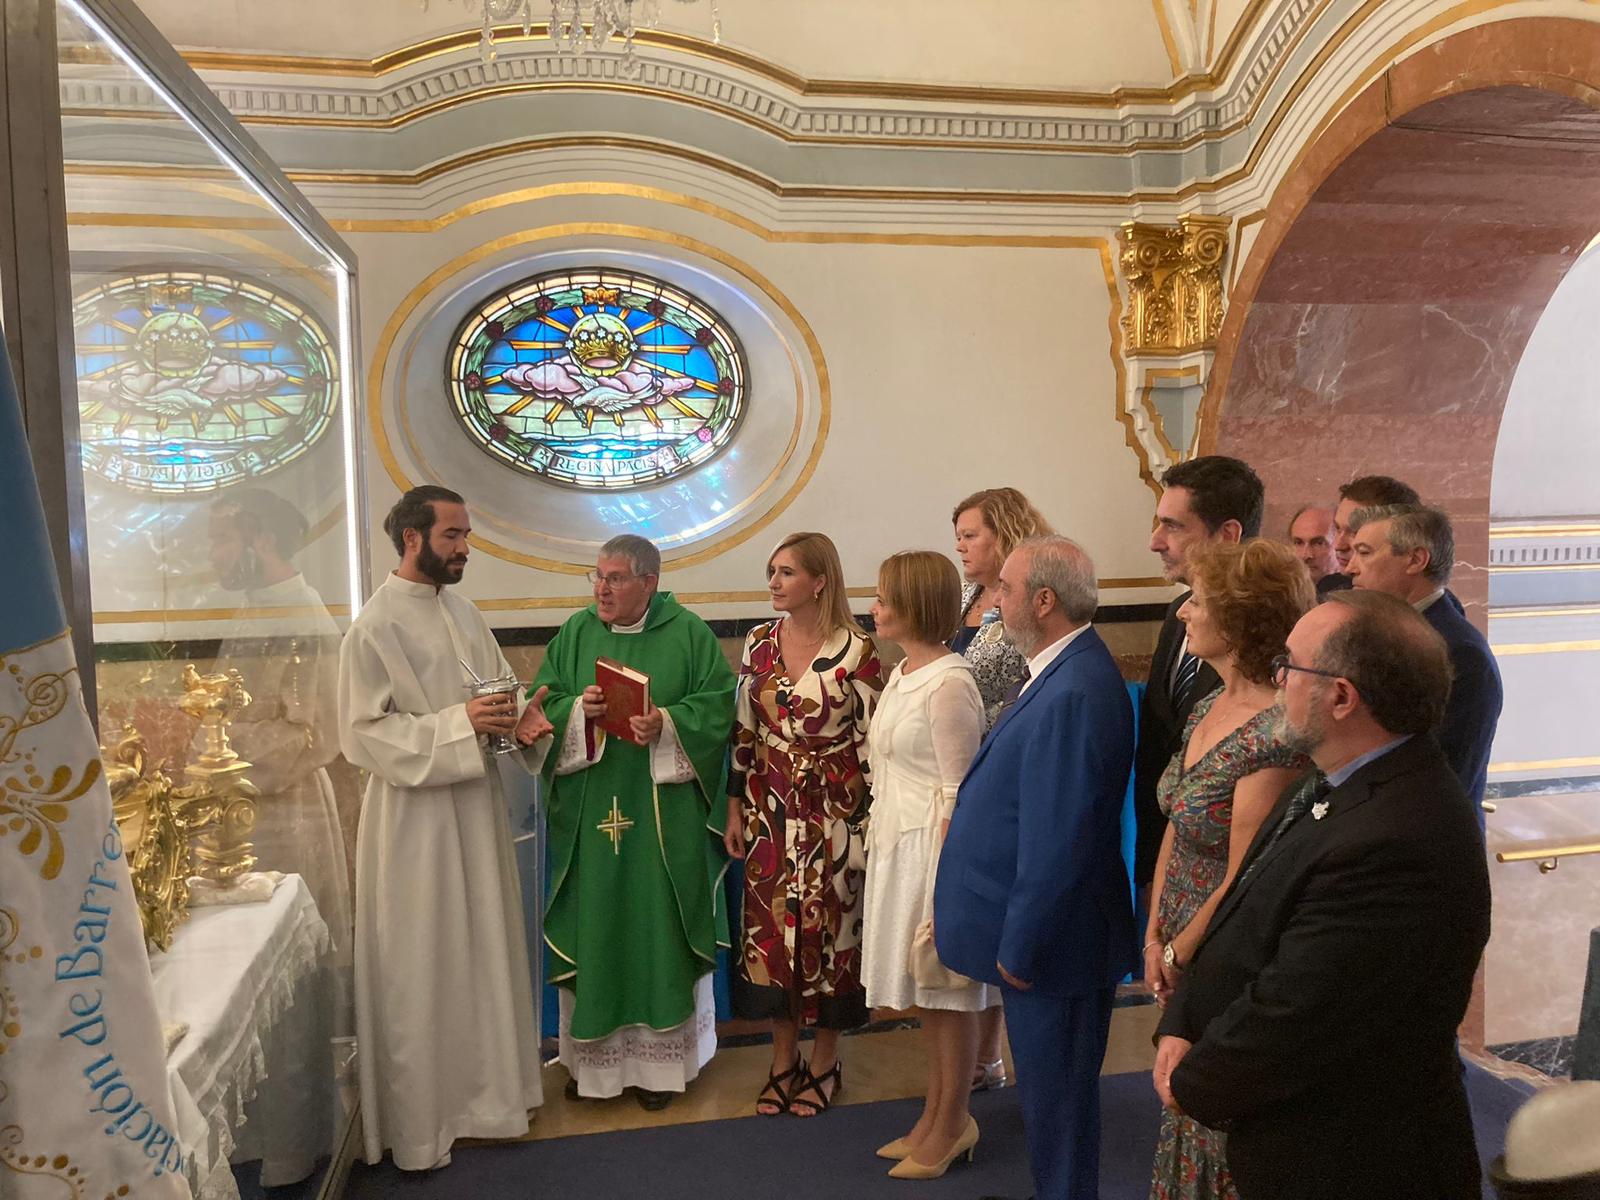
<point x="1402" y="264"/>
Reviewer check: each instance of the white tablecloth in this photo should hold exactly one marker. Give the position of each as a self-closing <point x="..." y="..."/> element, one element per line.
<point x="233" y="975"/>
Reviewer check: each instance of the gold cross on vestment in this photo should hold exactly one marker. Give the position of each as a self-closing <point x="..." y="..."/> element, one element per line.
<point x="614" y="826"/>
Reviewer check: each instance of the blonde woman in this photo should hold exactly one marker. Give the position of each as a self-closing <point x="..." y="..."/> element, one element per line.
<point x="924" y="736"/>
<point x="797" y="805"/>
<point x="988" y="526"/>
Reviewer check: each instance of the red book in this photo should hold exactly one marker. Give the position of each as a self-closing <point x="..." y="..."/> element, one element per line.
<point x="627" y="695"/>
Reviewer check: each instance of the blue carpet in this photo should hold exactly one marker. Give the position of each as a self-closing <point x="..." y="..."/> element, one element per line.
<point x="782" y="1158"/>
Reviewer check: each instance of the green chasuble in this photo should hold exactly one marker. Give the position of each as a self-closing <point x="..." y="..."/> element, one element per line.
<point x="635" y="910"/>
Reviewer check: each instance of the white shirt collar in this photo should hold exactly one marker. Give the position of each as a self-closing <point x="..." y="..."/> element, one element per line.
<point x="1042" y="660"/>
<point x="1427" y="601"/>
<point x="636" y="627"/>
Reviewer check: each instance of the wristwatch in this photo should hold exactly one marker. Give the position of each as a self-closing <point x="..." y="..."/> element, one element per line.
<point x="1170" y="956"/>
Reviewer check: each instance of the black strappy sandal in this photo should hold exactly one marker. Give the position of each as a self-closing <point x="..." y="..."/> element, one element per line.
<point x="814" y="1083"/>
<point x="775" y="1084"/>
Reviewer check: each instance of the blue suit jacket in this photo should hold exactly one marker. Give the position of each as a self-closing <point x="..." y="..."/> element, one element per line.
<point x="1031" y="872"/>
<point x="1473" y="710"/>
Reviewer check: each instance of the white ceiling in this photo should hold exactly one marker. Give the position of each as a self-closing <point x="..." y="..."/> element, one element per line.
<point x="1062" y="44"/>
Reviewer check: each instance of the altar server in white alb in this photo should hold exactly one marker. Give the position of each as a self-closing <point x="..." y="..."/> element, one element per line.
<point x="444" y="1004"/>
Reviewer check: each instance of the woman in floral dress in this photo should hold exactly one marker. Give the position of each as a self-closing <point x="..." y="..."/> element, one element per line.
<point x="797" y="808"/>
<point x="1217" y="790"/>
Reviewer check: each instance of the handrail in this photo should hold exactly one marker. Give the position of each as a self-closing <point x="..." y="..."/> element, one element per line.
<point x="1547" y="856"/>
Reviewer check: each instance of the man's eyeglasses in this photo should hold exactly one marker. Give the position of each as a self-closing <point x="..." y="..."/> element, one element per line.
<point x="1281" y="666"/>
<point x="614" y="580"/>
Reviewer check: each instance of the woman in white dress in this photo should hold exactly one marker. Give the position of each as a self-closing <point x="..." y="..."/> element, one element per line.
<point x="923" y="737"/>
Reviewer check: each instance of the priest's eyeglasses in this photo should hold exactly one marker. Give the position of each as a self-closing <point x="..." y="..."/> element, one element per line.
<point x="614" y="580"/>
<point x="1281" y="666"/>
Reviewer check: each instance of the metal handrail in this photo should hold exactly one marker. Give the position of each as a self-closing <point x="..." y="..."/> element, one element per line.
<point x="1547" y="856"/>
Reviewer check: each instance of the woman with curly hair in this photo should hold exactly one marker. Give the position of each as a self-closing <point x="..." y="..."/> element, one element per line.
<point x="797" y="809"/>
<point x="1229" y="772"/>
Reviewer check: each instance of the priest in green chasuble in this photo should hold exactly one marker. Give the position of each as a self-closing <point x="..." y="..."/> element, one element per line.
<point x="635" y="911"/>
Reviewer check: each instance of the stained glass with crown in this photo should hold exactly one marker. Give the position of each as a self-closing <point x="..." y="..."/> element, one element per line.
<point x="598" y="379"/>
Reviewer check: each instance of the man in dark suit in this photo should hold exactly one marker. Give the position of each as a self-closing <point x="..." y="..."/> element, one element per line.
<point x="1208" y="499"/>
<point x="1316" y="1022"/>
<point x="1032" y="894"/>
<point x="1409" y="551"/>
<point x="1359" y="493"/>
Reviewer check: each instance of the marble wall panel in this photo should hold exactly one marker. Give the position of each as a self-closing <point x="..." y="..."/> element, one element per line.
<point x="1539" y="944"/>
<point x="1402" y="266"/>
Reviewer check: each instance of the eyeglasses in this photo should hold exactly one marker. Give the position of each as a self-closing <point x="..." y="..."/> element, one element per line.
<point x="1281" y="666"/>
<point x="614" y="580"/>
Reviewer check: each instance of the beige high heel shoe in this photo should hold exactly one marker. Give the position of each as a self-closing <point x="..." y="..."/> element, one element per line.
<point x="896" y="1149"/>
<point x="910" y="1168"/>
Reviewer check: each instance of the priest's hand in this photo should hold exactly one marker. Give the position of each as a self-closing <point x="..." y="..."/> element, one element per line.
<point x="733" y="836"/>
<point x="594" y="702"/>
<point x="496" y="713"/>
<point x="534" y="724"/>
<point x="647" y="728"/>
<point x="1169" y="1053"/>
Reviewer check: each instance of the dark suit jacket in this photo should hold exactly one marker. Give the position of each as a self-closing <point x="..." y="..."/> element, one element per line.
<point x="1467" y="731"/>
<point x="1160" y="734"/>
<point x="1324" y="999"/>
<point x="1031" y="872"/>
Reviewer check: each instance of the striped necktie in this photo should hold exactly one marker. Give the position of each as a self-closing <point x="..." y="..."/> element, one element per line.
<point x="1183" y="680"/>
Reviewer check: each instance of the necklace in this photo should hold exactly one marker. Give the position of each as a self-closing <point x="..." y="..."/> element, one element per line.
<point x="988" y="597"/>
<point x="791" y="652"/>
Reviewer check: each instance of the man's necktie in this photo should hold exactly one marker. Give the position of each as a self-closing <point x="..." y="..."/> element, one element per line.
<point x="1014" y="691"/>
<point x="1309" y="793"/>
<point x="1183" y="680"/>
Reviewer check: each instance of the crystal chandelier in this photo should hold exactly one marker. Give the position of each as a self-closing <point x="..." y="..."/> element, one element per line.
<point x="578" y="26"/>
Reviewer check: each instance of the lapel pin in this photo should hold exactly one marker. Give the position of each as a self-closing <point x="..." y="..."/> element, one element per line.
<point x="1319" y="810"/>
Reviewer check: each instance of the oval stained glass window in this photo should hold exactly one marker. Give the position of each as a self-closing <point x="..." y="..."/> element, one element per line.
<point x="189" y="381"/>
<point x="598" y="379"/>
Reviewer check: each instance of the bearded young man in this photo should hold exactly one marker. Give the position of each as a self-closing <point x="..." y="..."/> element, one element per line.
<point x="444" y="999"/>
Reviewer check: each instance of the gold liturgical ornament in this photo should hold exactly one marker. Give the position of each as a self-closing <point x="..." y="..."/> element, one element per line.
<point x="155" y="839"/>
<point x="1174" y="278"/>
<point x="201" y="828"/>
<point x="217" y="791"/>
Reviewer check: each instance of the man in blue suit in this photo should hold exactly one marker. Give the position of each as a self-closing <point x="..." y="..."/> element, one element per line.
<point x="1408" y="551"/>
<point x="1032" y="894"/>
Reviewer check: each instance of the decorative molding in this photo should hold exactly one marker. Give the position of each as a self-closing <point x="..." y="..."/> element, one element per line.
<point x="774" y="102"/>
<point x="1174" y="278"/>
<point x="689" y="45"/>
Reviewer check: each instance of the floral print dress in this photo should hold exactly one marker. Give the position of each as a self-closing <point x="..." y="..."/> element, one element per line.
<point x="800" y="770"/>
<point x="997" y="665"/>
<point x="1191" y="1160"/>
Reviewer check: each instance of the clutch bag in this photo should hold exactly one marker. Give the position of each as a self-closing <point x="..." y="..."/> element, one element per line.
<point x="926" y="969"/>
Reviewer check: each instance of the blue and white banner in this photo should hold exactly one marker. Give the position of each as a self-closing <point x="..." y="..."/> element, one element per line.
<point x="85" y="1110"/>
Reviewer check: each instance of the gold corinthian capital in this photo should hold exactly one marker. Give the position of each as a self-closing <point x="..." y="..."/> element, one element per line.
<point x="1173" y="274"/>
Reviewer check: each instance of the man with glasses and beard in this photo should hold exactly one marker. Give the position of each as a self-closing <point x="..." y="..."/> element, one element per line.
<point x="1316" y="1022"/>
<point x="444" y="999"/>
<point x="636" y="912"/>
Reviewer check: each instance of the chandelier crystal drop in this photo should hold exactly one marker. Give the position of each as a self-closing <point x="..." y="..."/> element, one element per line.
<point x="579" y="26"/>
